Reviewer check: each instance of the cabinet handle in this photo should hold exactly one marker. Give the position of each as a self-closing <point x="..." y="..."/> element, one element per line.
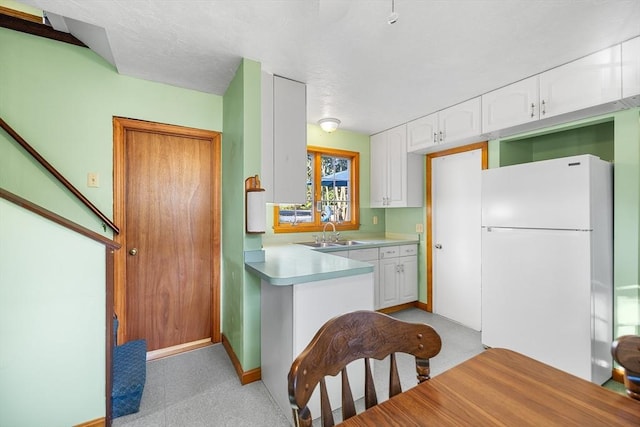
<point x="544" y="108"/>
<point x="441" y="136"/>
<point x="402" y="268"/>
<point x="532" y="107"/>
<point x="435" y="137"/>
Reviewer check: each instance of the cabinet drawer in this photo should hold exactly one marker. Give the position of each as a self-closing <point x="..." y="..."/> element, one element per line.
<point x="369" y="254"/>
<point x="389" y="252"/>
<point x="407" y="250"/>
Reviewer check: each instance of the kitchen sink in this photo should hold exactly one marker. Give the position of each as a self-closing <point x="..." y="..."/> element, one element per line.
<point x="349" y="243"/>
<point x="318" y="244"/>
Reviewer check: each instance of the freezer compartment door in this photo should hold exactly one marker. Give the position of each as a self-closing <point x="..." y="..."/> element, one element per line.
<point x="537" y="296"/>
<point x="545" y="194"/>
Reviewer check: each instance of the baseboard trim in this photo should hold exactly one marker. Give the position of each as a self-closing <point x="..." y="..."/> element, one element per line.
<point x="245" y="377"/>
<point x="422" y="306"/>
<point x="98" y="422"/>
<point x="393" y="309"/>
<point x="618" y="375"/>
<point x="177" y="349"/>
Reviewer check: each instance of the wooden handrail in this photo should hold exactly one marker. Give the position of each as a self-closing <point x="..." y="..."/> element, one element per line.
<point x="54" y="217"/>
<point x="25" y="25"/>
<point x="53" y="171"/>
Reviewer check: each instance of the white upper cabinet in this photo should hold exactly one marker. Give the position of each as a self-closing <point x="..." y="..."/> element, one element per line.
<point x="585" y="87"/>
<point x="458" y="124"/>
<point x="396" y="176"/>
<point x="462" y="121"/>
<point x="284" y="139"/>
<point x="593" y="80"/>
<point x="511" y="105"/>
<point x="422" y="133"/>
<point x="631" y="71"/>
<point x="378" y="170"/>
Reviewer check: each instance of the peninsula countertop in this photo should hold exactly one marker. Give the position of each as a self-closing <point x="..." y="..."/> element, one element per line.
<point x="291" y="264"/>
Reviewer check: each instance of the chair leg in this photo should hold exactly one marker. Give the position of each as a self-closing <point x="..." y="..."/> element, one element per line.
<point x="394" y="378"/>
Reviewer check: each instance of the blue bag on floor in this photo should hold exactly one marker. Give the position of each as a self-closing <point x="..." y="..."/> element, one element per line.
<point x="129" y="375"/>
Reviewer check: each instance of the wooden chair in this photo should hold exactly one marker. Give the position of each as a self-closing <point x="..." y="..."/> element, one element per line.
<point x="353" y="336"/>
<point x="626" y="351"/>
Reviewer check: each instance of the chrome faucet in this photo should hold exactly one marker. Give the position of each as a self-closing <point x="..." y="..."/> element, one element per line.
<point x="324" y="229"/>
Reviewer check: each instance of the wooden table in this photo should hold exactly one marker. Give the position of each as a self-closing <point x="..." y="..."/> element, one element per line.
<point x="503" y="388"/>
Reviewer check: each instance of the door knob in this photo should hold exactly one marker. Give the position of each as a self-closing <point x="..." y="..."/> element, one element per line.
<point x="438" y="246"/>
<point x="133" y="252"/>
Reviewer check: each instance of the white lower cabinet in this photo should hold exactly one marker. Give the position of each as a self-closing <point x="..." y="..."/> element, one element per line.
<point x="398" y="275"/>
<point x="395" y="272"/>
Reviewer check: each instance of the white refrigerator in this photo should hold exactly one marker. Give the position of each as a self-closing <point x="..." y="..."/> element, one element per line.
<point x="547" y="255"/>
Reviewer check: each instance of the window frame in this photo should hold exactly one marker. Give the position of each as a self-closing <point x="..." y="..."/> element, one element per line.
<point x="317" y="225"/>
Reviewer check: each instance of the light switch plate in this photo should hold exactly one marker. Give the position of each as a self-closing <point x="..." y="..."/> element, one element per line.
<point x="92" y="179"/>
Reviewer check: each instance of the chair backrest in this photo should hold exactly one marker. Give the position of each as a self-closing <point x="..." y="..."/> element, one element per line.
<point x="352" y="336"/>
<point x="626" y="351"/>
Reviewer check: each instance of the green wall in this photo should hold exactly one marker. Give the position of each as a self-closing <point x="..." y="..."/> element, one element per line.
<point x="52" y="312"/>
<point x="241" y="146"/>
<point x="61" y="98"/>
<point x="596" y="139"/>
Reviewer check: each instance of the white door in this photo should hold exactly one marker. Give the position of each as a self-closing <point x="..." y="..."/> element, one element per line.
<point x="456" y="253"/>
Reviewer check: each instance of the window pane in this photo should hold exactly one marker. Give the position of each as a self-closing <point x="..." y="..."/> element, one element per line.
<point x="335" y="189"/>
<point x="331" y="194"/>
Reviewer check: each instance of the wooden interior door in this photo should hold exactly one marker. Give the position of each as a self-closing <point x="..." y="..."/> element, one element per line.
<point x="167" y="197"/>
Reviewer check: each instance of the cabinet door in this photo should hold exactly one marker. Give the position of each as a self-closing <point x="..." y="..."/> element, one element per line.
<point x="422" y="133"/>
<point x="408" y="279"/>
<point x="388" y="282"/>
<point x="631" y="69"/>
<point x="378" y="170"/>
<point x="511" y="105"/>
<point x="460" y="121"/>
<point x="397" y="167"/>
<point x="593" y="80"/>
<point x="289" y="141"/>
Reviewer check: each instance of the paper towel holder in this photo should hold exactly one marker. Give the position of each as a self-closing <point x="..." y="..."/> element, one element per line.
<point x="255" y="206"/>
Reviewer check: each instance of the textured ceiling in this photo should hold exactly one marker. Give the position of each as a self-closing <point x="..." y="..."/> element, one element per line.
<point x="357" y="67"/>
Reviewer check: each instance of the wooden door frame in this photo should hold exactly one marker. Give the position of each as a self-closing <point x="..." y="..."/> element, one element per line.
<point x="484" y="146"/>
<point x="121" y="126"/>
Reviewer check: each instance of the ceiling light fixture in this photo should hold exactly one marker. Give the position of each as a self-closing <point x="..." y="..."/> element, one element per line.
<point x="329" y="124"/>
<point x="393" y="18"/>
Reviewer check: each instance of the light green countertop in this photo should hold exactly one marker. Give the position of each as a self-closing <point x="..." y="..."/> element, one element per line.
<point x="292" y="264"/>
